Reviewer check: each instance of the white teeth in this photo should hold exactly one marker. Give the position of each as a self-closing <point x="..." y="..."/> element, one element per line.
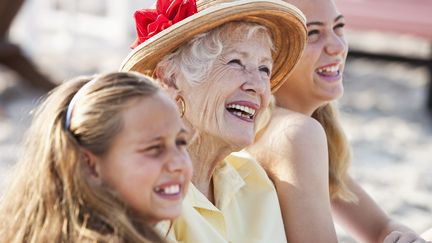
<point x="248" y="110"/>
<point x="237" y="113"/>
<point x="329" y="69"/>
<point x="174" y="189"/>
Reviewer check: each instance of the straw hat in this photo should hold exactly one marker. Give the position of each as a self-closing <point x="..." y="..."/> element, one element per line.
<point x="285" y="23"/>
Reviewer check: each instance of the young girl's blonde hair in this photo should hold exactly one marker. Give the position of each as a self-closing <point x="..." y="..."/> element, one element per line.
<point x="50" y="198"/>
<point x="339" y="151"/>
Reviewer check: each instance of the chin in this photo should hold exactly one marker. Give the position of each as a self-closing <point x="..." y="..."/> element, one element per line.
<point x="168" y="214"/>
<point x="332" y="95"/>
<point x="241" y="143"/>
<point x="338" y="94"/>
<point x="172" y="216"/>
<point x="239" y="136"/>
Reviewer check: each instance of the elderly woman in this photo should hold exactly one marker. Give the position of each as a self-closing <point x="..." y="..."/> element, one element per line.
<point x="221" y="63"/>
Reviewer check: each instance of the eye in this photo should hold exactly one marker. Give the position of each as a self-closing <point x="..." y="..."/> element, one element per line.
<point x="236" y="62"/>
<point x="340" y="25"/>
<point x="313" y="35"/>
<point x="313" y="32"/>
<point x="154" y="150"/>
<point x="181" y="142"/>
<point x="265" y="69"/>
<point x="339" y="28"/>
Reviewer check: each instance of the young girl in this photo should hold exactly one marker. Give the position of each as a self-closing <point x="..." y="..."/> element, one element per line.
<point x="304" y="149"/>
<point x="105" y="160"/>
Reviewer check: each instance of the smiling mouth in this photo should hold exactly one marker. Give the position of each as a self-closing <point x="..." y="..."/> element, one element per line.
<point x="168" y="190"/>
<point x="332" y="70"/>
<point x="241" y="111"/>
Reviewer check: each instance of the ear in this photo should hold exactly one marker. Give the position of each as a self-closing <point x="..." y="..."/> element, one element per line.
<point x="169" y="84"/>
<point x="173" y="92"/>
<point x="92" y="167"/>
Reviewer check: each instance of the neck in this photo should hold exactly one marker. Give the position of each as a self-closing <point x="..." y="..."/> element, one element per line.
<point x="206" y="153"/>
<point x="298" y="103"/>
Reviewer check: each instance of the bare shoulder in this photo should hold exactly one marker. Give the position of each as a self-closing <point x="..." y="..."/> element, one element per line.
<point x="292" y="142"/>
<point x="294" y="128"/>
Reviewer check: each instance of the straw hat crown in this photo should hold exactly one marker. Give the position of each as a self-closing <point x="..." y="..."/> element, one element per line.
<point x="284" y="21"/>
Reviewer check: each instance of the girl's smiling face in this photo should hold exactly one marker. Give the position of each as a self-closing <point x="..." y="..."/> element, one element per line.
<point x="147" y="164"/>
<point x="317" y="78"/>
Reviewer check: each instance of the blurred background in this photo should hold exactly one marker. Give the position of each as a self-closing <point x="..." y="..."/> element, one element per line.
<point x="383" y="109"/>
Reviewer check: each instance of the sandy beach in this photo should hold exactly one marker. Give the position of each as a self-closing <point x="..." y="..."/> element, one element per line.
<point x="391" y="135"/>
<point x="382" y="111"/>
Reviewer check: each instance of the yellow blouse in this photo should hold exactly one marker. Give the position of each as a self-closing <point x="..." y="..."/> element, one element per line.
<point x="246" y="210"/>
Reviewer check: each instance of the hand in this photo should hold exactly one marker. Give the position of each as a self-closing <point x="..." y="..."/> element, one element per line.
<point x="403" y="237"/>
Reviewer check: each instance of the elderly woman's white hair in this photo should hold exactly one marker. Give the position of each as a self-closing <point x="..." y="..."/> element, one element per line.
<point x="194" y="59"/>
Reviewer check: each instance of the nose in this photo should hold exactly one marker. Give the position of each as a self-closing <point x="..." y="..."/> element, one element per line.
<point x="178" y="161"/>
<point x="336" y="45"/>
<point x="256" y="83"/>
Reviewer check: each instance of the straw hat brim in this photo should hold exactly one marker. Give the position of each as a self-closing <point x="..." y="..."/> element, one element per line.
<point x="284" y="21"/>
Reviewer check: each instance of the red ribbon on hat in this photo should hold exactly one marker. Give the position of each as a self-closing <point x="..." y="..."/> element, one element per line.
<point x="149" y="22"/>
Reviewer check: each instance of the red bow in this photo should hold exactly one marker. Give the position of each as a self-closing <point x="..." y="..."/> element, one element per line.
<point x="149" y="22"/>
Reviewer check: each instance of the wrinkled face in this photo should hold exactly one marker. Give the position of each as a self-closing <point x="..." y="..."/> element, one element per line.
<point x="227" y="103"/>
<point x="318" y="75"/>
<point x="147" y="164"/>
